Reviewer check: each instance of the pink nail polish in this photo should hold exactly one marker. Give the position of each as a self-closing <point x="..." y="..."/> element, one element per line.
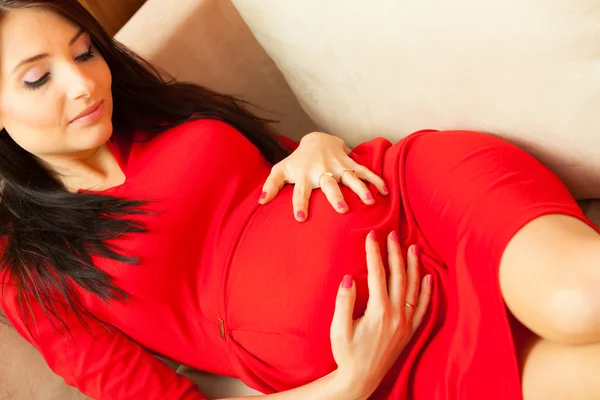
<point x="300" y="215"/>
<point x="369" y="197"/>
<point x="395" y="237"/>
<point x="415" y="250"/>
<point x="429" y="279"/>
<point x="386" y="190"/>
<point x="341" y="205"/>
<point x="373" y="236"/>
<point x="262" y="196"/>
<point x="347" y="282"/>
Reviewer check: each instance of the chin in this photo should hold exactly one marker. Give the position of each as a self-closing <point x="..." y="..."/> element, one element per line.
<point x="106" y="130"/>
<point x="92" y="136"/>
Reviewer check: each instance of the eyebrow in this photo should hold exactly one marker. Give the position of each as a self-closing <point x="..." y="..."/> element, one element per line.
<point x="44" y="55"/>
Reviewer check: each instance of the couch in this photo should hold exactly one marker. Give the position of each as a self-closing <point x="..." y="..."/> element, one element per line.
<point x="526" y="70"/>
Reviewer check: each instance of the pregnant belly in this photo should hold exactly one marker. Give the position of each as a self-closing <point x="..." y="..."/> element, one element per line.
<point x="283" y="279"/>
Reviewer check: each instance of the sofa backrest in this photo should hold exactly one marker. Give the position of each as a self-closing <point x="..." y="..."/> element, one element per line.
<point x="206" y="42"/>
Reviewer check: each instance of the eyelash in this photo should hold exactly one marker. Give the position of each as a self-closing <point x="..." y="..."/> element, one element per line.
<point x="88" y="55"/>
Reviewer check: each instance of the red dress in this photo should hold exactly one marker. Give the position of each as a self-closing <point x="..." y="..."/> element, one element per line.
<point x="233" y="288"/>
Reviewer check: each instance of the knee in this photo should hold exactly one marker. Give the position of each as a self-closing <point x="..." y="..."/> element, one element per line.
<point x="550" y="279"/>
<point x="573" y="314"/>
<point x="574" y="304"/>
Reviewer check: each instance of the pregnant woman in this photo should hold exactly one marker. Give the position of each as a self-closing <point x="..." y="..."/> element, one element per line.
<point x="145" y="217"/>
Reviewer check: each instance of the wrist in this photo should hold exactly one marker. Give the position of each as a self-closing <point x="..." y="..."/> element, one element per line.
<point x="346" y="388"/>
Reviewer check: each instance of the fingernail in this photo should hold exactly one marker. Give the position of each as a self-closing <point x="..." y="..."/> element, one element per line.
<point x="428" y="279"/>
<point x="300" y="215"/>
<point x="262" y="196"/>
<point x="395" y="237"/>
<point x="415" y="250"/>
<point x="341" y="205"/>
<point x="369" y="197"/>
<point x="373" y="236"/>
<point x="385" y="190"/>
<point x="347" y="282"/>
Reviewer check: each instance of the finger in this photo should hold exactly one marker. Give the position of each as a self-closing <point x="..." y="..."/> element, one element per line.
<point x="334" y="195"/>
<point x="273" y="184"/>
<point x="357" y="186"/>
<point x="300" y="200"/>
<point x="366" y="174"/>
<point x="342" y="323"/>
<point x="397" y="278"/>
<point x="412" y="276"/>
<point x="378" y="296"/>
<point x="423" y="303"/>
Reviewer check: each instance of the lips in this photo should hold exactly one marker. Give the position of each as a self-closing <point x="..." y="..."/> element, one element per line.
<point x="87" y="111"/>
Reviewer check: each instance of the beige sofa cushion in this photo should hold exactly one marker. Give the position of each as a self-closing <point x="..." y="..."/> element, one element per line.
<point x="524" y="69"/>
<point x="206" y="42"/>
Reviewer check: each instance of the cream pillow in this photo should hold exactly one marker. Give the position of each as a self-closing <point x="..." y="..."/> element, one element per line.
<point x="526" y="70"/>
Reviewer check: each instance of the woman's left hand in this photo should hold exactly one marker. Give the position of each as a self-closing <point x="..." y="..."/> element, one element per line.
<point x="307" y="168"/>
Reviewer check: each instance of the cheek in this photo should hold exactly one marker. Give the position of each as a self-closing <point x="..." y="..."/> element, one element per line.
<point x="24" y="112"/>
<point x="26" y="122"/>
<point x="103" y="76"/>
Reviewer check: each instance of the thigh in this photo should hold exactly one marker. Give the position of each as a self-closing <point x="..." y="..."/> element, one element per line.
<point x="471" y="194"/>
<point x="549" y="278"/>
<point x="552" y="371"/>
<point x="476" y="190"/>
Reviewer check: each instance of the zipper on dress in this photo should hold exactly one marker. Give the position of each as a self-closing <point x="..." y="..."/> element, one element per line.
<point x="222" y="328"/>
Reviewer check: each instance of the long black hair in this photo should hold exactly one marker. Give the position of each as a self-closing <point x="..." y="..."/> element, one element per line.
<point x="47" y="233"/>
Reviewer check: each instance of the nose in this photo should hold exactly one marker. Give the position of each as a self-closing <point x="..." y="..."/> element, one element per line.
<point x="79" y="83"/>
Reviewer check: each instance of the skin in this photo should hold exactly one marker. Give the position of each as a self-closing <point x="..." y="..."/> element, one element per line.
<point x="550" y="280"/>
<point x="319" y="152"/>
<point x="76" y="152"/>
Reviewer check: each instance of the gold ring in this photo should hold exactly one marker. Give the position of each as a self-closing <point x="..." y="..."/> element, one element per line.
<point x="326" y="173"/>
<point x="344" y="171"/>
<point x="407" y="304"/>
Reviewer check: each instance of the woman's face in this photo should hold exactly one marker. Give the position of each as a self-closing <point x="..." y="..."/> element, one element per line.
<point x="49" y="74"/>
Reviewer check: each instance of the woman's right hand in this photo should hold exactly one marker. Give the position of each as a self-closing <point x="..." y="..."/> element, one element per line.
<point x="366" y="348"/>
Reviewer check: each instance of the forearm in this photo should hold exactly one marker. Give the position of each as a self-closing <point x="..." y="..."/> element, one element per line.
<point x="329" y="387"/>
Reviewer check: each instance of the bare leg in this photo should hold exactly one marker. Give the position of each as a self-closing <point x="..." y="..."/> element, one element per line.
<point x="550" y="279"/>
<point x="555" y="371"/>
<point x="549" y="271"/>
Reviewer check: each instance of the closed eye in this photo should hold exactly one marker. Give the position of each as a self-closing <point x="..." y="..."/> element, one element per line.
<point x="39" y="83"/>
<point x="88" y="55"/>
